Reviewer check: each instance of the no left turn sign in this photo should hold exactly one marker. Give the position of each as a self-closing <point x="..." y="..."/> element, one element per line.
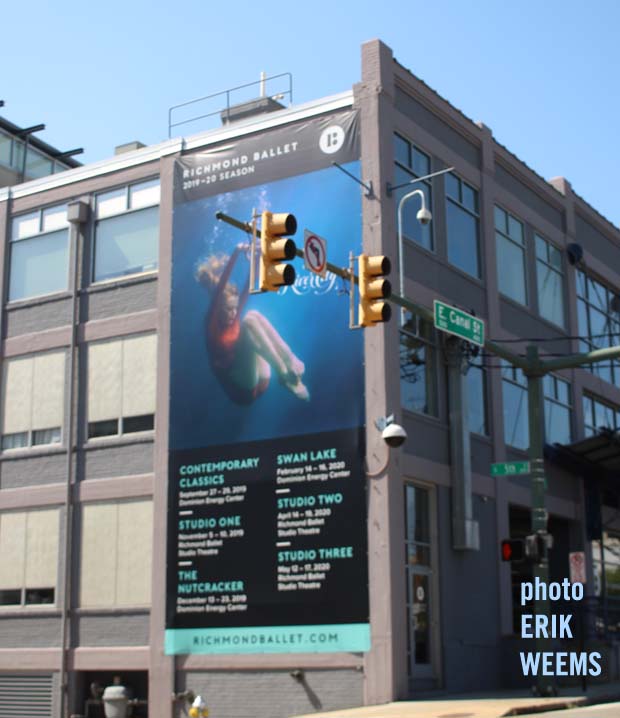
<point x="315" y="253"/>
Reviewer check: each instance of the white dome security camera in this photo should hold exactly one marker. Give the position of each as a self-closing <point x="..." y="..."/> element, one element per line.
<point x="394" y="435"/>
<point x="424" y="216"/>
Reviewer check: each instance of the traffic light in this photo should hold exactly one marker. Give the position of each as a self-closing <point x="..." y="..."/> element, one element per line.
<point x="275" y="248"/>
<point x="532" y="548"/>
<point x="513" y="550"/>
<point x="373" y="289"/>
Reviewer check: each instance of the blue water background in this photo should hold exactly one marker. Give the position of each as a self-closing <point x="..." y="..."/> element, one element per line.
<point x="315" y="326"/>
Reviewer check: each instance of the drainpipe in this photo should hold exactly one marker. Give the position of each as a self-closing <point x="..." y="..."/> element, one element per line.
<point x="77" y="214"/>
<point x="465" y="531"/>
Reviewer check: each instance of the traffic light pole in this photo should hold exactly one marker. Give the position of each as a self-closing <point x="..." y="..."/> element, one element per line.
<point x="534" y="369"/>
<point x="535" y="401"/>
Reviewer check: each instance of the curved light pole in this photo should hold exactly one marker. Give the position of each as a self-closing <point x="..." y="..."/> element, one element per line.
<point x="423" y="216"/>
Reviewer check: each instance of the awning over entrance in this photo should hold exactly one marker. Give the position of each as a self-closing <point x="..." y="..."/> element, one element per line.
<point x="595" y="456"/>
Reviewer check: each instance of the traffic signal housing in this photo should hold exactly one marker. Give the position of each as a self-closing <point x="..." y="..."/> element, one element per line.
<point x="276" y="248"/>
<point x="374" y="288"/>
<point x="513" y="550"/>
<point x="532" y="548"/>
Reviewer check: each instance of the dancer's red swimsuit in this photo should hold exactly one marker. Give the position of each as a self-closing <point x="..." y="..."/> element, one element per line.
<point x="223" y="342"/>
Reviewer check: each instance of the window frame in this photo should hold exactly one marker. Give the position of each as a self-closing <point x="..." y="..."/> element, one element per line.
<point x="590" y="429"/>
<point x="104" y="542"/>
<point x="23" y="604"/>
<point x="557" y="401"/>
<point x="430" y="348"/>
<point x="476" y="364"/>
<point x="17" y="147"/>
<point x="514" y="376"/>
<point x="474" y="214"/>
<point x="587" y="343"/>
<point x="30" y="432"/>
<point x="560" y="272"/>
<point x="120" y="433"/>
<point x="127" y="211"/>
<point x="505" y="235"/>
<point x="40" y="233"/>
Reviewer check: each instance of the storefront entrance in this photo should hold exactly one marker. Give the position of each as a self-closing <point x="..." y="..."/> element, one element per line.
<point x="422" y="603"/>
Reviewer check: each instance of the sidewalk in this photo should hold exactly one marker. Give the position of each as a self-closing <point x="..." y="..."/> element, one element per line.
<point x="480" y="705"/>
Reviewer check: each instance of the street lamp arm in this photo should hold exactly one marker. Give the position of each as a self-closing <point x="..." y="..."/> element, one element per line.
<point x="575" y="360"/>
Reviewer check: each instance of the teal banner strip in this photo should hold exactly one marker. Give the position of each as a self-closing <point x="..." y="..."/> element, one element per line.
<point x="351" y="637"/>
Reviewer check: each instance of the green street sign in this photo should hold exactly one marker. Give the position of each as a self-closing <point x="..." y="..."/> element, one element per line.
<point x="510" y="468"/>
<point x="454" y="321"/>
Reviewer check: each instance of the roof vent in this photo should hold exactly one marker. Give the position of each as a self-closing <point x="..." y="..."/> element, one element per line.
<point x="128" y="147"/>
<point x="259" y="106"/>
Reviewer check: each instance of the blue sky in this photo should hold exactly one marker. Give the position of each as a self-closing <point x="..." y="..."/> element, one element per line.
<point x="542" y="75"/>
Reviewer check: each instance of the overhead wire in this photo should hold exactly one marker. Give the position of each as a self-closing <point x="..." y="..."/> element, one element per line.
<point x="557" y="339"/>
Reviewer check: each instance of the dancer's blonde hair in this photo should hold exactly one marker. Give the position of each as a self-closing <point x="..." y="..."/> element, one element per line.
<point x="209" y="273"/>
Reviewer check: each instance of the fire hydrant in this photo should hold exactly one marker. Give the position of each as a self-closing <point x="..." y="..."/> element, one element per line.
<point x="199" y="708"/>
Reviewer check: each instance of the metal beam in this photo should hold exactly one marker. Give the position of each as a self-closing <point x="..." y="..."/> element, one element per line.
<point x="576" y="360"/>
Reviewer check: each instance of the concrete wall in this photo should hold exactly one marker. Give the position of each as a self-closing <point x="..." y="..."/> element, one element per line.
<point x="275" y="694"/>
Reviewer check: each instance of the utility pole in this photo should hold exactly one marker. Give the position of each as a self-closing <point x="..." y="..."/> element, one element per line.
<point x="536" y="418"/>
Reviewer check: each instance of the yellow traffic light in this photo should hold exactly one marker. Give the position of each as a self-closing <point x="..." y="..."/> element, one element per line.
<point x="373" y="289"/>
<point x="275" y="247"/>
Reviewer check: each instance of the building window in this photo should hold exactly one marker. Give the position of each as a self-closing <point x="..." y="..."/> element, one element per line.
<point x="411" y="163"/>
<point x="33" y="391"/>
<point x="5" y="149"/>
<point x="549" y="279"/>
<point x="418" y="372"/>
<point x="606" y="565"/>
<point x="116" y="553"/>
<point x="598" y="415"/>
<point x="514" y="392"/>
<point x="510" y="240"/>
<point x="462" y="217"/>
<point x="599" y="323"/>
<point x="127" y="231"/>
<point x="476" y="398"/>
<point x="28" y="557"/>
<point x="121" y="386"/>
<point x="557" y="410"/>
<point x="38" y="164"/>
<point x="39" y="262"/>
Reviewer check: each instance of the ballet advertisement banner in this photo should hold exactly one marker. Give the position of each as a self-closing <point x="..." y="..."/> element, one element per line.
<point x="267" y="538"/>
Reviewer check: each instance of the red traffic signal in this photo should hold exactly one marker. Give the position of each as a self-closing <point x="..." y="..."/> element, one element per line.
<point x="513" y="550"/>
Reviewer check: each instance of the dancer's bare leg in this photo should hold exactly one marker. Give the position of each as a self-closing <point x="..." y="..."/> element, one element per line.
<point x="293" y="363"/>
<point x="270" y="346"/>
<point x="262" y="343"/>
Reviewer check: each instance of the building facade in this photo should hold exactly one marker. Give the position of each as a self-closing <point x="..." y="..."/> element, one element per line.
<point x="87" y="269"/>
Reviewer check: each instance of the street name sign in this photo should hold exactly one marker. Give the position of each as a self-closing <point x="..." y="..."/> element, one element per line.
<point x="455" y="321"/>
<point x="510" y="468"/>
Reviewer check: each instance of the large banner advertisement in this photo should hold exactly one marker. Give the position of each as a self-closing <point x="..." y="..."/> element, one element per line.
<point x="267" y="546"/>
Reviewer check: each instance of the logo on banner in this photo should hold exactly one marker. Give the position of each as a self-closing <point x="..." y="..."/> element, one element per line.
<point x="332" y="139"/>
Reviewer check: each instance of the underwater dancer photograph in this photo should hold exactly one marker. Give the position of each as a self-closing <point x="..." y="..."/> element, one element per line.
<point x="244" y="348"/>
